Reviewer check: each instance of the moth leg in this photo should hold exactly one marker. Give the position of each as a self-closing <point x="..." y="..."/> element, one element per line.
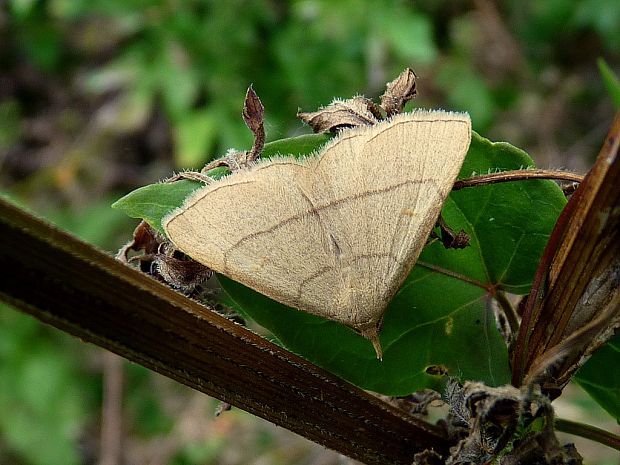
<point x="233" y="160"/>
<point x="448" y="237"/>
<point x="191" y="176"/>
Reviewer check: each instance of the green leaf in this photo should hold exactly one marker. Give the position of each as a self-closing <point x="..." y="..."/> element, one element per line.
<point x="509" y="222"/>
<point x="611" y="81"/>
<point x="442" y="314"/>
<point x="151" y="203"/>
<point x="600" y="377"/>
<point x="296" y="146"/>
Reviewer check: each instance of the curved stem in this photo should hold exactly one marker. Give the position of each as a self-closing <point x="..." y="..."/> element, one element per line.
<point x="511" y="313"/>
<point x="589" y="432"/>
<point x="516" y="175"/>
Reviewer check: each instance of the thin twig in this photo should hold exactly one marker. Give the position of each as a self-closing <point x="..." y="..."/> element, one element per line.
<point x="516" y="175"/>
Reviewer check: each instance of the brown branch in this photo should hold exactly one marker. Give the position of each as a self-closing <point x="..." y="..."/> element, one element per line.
<point x="516" y="175"/>
<point x="83" y="291"/>
<point x="577" y="277"/>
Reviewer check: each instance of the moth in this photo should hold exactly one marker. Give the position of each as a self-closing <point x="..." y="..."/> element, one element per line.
<point x="334" y="234"/>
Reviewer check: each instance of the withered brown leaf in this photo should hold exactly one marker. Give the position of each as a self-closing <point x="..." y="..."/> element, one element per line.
<point x="356" y="111"/>
<point x="398" y="92"/>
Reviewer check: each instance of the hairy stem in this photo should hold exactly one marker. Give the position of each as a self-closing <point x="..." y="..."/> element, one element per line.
<point x="516" y="175"/>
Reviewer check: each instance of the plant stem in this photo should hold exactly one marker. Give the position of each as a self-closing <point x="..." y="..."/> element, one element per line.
<point x="511" y="313"/>
<point x="588" y="431"/>
<point x="516" y="175"/>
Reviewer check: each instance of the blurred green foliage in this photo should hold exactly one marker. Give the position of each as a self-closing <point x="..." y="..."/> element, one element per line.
<point x="612" y="82"/>
<point x="44" y="396"/>
<point x="98" y="97"/>
<point x="194" y="59"/>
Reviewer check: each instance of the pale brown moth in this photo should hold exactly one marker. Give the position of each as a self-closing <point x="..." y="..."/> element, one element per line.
<point x="337" y="233"/>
